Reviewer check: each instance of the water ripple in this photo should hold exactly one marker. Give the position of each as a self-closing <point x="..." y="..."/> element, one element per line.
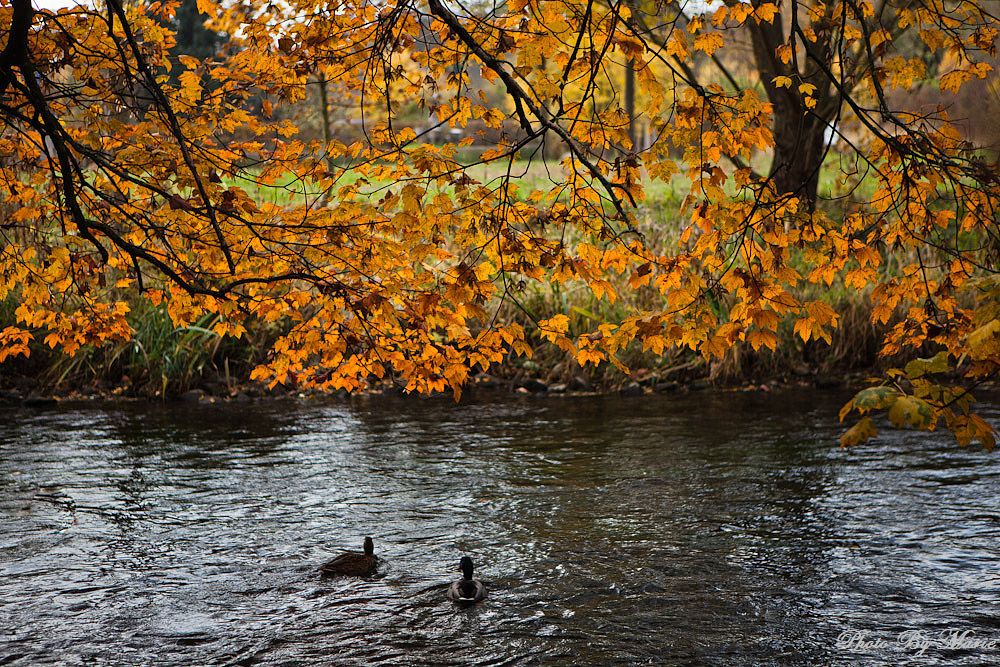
<point x="725" y="529"/>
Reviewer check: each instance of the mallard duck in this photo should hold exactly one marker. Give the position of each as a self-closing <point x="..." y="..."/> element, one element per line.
<point x="352" y="563"/>
<point x="466" y="589"/>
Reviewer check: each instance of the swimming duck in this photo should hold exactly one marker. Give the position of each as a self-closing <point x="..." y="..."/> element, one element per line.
<point x="466" y="589"/>
<point x="352" y="563"/>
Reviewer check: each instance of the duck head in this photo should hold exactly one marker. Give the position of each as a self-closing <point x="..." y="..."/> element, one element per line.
<point x="465" y="565"/>
<point x="369" y="547"/>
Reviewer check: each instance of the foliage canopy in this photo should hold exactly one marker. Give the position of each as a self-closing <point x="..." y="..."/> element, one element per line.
<point x="127" y="170"/>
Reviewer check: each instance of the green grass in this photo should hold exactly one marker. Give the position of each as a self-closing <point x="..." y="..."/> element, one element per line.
<point x="160" y="360"/>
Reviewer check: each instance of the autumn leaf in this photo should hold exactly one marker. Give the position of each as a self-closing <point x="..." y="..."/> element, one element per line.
<point x="708" y="42"/>
<point x="14" y="343"/>
<point x="972" y="428"/>
<point x="861" y="432"/>
<point x="554" y="327"/>
<point x="872" y="398"/>
<point x="921" y="367"/>
<point x="766" y="12"/>
<point x="910" y="411"/>
<point x="984" y="342"/>
<point x="590" y="356"/>
<point x="677" y="46"/>
<point x="190" y="86"/>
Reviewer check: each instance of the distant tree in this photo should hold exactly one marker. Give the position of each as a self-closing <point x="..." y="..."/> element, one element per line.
<point x="192" y="37"/>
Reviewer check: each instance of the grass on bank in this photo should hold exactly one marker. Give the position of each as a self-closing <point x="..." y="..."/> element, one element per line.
<point x="840" y="181"/>
<point x="161" y="359"/>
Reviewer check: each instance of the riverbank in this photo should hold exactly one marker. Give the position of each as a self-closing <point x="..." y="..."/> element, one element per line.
<point x="163" y="363"/>
<point x="21" y="391"/>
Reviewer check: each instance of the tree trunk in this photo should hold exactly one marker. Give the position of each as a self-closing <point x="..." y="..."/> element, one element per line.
<point x="15" y="51"/>
<point x="630" y="104"/>
<point x="799" y="133"/>
<point x="799" y="149"/>
<point x="324" y="109"/>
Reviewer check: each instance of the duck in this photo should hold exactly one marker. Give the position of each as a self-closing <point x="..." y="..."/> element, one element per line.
<point x="466" y="589"/>
<point x="353" y="563"/>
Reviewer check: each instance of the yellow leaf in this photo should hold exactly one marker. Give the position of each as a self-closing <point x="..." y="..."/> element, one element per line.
<point x="859" y="433"/>
<point x="872" y="398"/>
<point x="554" y="326"/>
<point x="766" y="12"/>
<point x="14" y="342"/>
<point x="984" y="342"/>
<point x="593" y="356"/>
<point x="953" y="80"/>
<point x="911" y="411"/>
<point x="803" y="328"/>
<point x="759" y="338"/>
<point x="654" y="343"/>
<point x="677" y="46"/>
<point x="190" y="85"/>
<point x="782" y="81"/>
<point x="708" y="42"/>
<point x="968" y="428"/>
<point x="715" y="346"/>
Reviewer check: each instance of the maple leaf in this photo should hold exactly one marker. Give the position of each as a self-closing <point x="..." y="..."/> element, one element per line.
<point x="766" y="12"/>
<point x="708" y="42"/>
<point x="859" y="433"/>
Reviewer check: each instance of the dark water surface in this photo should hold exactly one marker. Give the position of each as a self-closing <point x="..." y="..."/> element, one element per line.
<point x="706" y="529"/>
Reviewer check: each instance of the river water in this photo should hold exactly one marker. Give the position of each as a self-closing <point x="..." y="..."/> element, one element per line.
<point x="699" y="529"/>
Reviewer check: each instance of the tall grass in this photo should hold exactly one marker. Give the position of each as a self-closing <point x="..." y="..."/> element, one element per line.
<point x="160" y="360"/>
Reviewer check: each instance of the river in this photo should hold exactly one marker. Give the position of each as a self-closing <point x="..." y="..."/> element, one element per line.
<point x="710" y="528"/>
